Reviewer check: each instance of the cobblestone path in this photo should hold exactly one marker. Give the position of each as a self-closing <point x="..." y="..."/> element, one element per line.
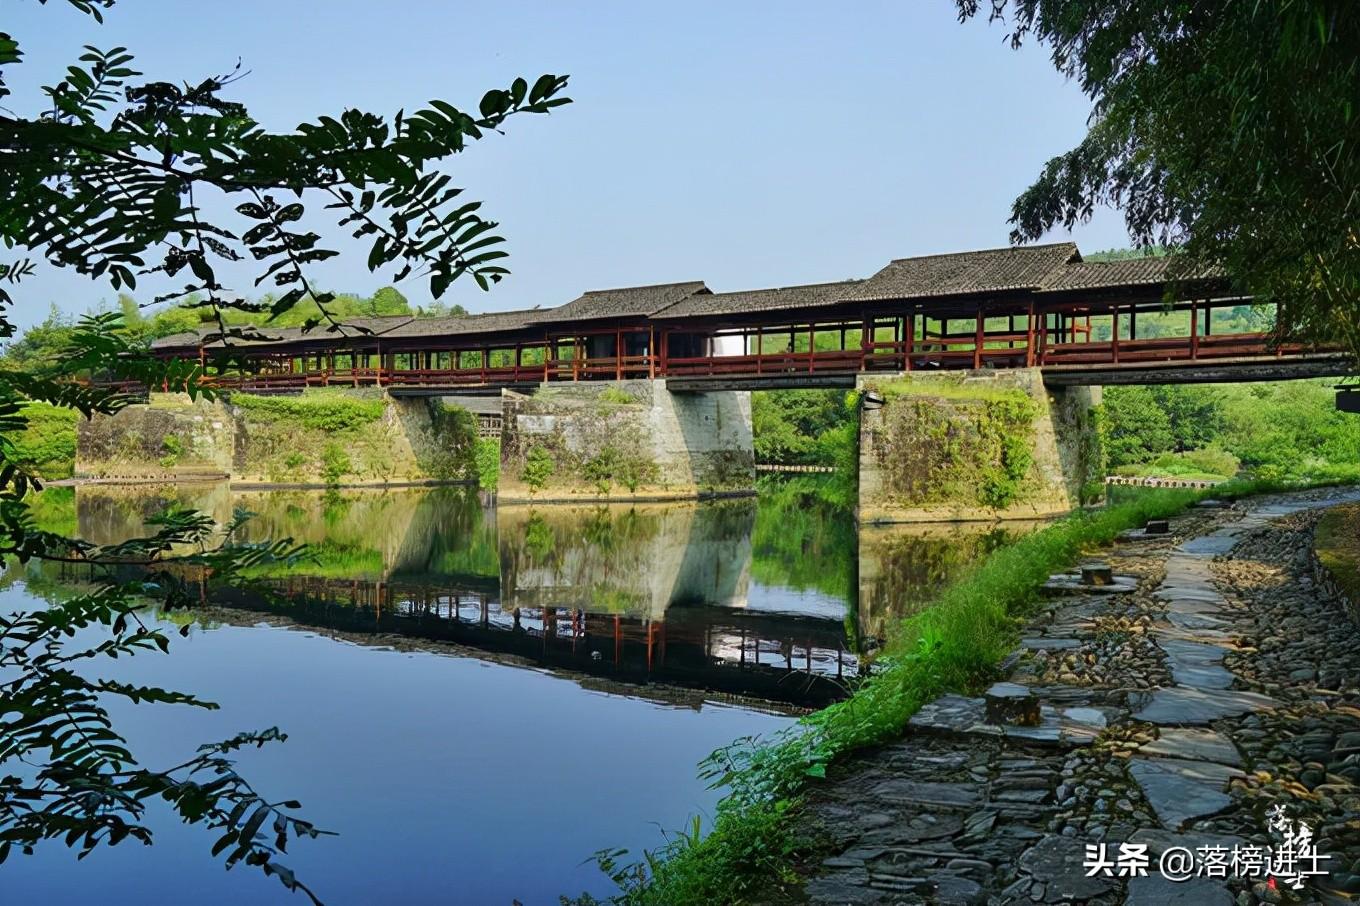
<point x="1175" y="712"/>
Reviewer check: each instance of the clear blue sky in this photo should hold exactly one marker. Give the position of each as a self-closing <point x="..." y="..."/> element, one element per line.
<point x="745" y="144"/>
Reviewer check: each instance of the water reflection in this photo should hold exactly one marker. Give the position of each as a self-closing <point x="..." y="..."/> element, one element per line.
<point x="779" y="598"/>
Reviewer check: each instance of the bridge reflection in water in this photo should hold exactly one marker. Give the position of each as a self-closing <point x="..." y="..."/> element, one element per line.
<point x="778" y="599"/>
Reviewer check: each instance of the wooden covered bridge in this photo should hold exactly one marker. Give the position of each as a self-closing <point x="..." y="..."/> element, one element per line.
<point x="1131" y="321"/>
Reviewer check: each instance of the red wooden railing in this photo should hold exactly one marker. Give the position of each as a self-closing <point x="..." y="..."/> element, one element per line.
<point x="955" y="351"/>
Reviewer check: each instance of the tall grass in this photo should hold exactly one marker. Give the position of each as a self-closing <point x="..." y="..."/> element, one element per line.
<point x="952" y="646"/>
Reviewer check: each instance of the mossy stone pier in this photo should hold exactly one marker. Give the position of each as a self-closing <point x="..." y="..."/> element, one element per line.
<point x="973" y="445"/>
<point x="323" y="437"/>
<point x="625" y="439"/>
<point x="952" y="446"/>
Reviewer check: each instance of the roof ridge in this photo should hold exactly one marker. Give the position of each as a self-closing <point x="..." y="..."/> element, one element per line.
<point x="1000" y="248"/>
<point x="777" y="289"/>
<point x="616" y="289"/>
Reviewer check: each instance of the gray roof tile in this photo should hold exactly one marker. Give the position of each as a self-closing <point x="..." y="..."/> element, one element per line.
<point x="1126" y="272"/>
<point x="967" y="273"/>
<point x="624" y="302"/>
<point x="786" y="297"/>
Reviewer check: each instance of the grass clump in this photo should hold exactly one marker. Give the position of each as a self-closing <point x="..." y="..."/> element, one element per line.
<point x="1337" y="543"/>
<point x="319" y="412"/>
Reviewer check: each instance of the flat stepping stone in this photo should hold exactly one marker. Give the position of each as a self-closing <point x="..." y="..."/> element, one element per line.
<point x="1196" y="664"/>
<point x="1159" y="840"/>
<point x="1211" y="545"/>
<point x="1191" y="620"/>
<point x="1071" y="584"/>
<point x="917" y="829"/>
<point x="925" y="792"/>
<point x="1184" y="628"/>
<point x="1050" y="644"/>
<point x="1194" y="745"/>
<point x="1058" y="863"/>
<point x="1058" y="727"/>
<point x="1185" y="706"/>
<point x="1155" y="890"/>
<point x="1181" y="791"/>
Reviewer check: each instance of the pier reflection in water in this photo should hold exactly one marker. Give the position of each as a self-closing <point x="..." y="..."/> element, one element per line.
<point x="776" y="598"/>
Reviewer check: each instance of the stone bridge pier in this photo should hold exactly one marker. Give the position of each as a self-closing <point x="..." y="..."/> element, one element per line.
<point x="974" y="445"/>
<point x="625" y="439"/>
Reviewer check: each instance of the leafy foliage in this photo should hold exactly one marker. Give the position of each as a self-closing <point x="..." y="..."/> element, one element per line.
<point x="538" y="468"/>
<point x="320" y="412"/>
<point x="111" y="181"/>
<point x="1228" y="132"/>
<point x="1283" y="429"/>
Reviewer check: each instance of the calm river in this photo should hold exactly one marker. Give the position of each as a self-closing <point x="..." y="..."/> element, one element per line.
<point x="477" y="699"/>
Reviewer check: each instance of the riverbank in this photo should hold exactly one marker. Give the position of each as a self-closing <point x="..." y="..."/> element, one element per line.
<point x="1178" y="714"/>
<point x="758" y="845"/>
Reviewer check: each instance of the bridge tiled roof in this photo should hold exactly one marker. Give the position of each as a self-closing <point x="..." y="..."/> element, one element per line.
<point x="265" y="335"/>
<point x="458" y="325"/>
<point x="1127" y="272"/>
<point x="786" y="297"/>
<point x="967" y="273"/>
<point x="624" y="302"/>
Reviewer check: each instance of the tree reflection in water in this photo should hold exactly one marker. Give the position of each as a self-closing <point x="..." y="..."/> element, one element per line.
<point x="780" y="598"/>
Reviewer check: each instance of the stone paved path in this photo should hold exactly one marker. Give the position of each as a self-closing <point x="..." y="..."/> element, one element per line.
<point x="1219" y="681"/>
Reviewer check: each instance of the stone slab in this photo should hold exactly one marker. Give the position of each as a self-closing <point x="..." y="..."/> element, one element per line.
<point x="1193" y="744"/>
<point x="1155" y="890"/>
<point x="1057" y="862"/>
<point x="1071" y="584"/>
<point x="1185" y="706"/>
<point x="1181" y="791"/>
<point x="1159" y="840"/>
<point x="1059" y="726"/>
<point x="1196" y="664"/>
<point x="1214" y="544"/>
<point x="1050" y="644"/>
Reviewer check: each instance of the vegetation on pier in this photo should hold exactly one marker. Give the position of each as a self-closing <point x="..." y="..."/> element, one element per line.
<point x="1337" y="543"/>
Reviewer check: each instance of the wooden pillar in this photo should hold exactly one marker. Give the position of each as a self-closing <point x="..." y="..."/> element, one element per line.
<point x="651" y="351"/>
<point x="909" y="329"/>
<point x="1133" y="322"/>
<point x="760" y="347"/>
<point x="1029" y="337"/>
<point x="812" y="345"/>
<point x="1194" y="329"/>
<point x="977" y="340"/>
<point x="1114" y="335"/>
<point x="618" y="370"/>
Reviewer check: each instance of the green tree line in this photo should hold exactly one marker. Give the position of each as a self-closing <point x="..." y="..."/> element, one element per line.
<point x="39" y="344"/>
<point x="1271" y="430"/>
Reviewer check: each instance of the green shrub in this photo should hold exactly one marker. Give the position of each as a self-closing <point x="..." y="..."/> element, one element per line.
<point x="47" y="445"/>
<point x="538" y="468"/>
<point x="172" y="449"/>
<point x="335" y="464"/>
<point x="616" y="396"/>
<point x="318" y="412"/>
<point x="487" y="454"/>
